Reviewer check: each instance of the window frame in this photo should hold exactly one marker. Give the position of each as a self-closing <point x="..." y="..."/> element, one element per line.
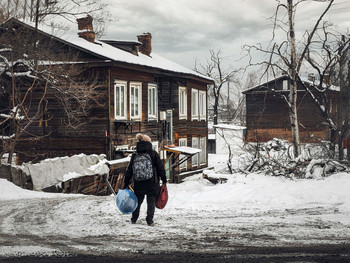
<point x="203" y="147"/>
<point x="170" y="126"/>
<point x="194" y="104"/>
<point x="124" y="110"/>
<point x="285" y="84"/>
<point x="182" y="102"/>
<point x="196" y="156"/>
<point x="182" y="166"/>
<point x="202" y="105"/>
<point x="155" y="146"/>
<point x="132" y="111"/>
<point x="152" y="101"/>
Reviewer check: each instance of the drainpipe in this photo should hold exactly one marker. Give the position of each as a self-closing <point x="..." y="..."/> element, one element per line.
<point x="109" y="141"/>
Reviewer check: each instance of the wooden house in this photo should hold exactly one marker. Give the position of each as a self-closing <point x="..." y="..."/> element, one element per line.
<point x="267" y="113"/>
<point x="141" y="92"/>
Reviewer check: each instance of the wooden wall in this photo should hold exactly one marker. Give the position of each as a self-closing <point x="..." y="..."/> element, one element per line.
<point x="268" y="117"/>
<point x="124" y="132"/>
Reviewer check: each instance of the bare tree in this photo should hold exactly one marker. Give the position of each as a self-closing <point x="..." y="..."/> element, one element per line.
<point x="331" y="61"/>
<point x="287" y="52"/>
<point x="31" y="81"/>
<point x="50" y="11"/>
<point x="215" y="69"/>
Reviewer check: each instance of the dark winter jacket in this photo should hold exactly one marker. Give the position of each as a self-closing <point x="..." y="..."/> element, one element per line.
<point x="150" y="186"/>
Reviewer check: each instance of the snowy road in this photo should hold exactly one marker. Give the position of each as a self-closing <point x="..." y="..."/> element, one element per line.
<point x="250" y="218"/>
<point x="90" y="225"/>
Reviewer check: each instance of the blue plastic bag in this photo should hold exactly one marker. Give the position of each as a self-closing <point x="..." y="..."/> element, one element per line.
<point x="126" y="201"/>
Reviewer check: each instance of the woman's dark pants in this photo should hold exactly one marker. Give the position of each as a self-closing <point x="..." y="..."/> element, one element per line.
<point x="151" y="206"/>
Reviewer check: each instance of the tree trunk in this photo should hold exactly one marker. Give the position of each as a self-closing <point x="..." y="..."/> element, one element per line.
<point x="216" y="107"/>
<point x="294" y="85"/>
<point x="344" y="106"/>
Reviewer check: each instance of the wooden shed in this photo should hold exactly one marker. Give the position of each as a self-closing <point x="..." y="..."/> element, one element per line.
<point x="267" y="113"/>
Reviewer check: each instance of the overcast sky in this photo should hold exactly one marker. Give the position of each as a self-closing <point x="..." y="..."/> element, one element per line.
<point x="184" y="30"/>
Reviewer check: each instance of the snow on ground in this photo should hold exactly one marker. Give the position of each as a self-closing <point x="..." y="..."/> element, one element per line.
<point x="249" y="209"/>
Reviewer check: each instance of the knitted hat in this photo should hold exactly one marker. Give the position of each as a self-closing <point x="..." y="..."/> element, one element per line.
<point x="143" y="137"/>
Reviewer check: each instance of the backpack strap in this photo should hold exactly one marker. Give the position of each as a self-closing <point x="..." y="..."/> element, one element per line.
<point x="155" y="175"/>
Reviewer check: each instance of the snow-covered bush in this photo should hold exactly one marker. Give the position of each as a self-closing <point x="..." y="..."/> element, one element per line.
<point x="276" y="158"/>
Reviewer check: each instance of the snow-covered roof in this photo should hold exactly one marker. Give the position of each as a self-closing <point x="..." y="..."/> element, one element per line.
<point x="102" y="49"/>
<point x="302" y="78"/>
<point x="229" y="126"/>
<point x="119" y="161"/>
<point x="260" y="85"/>
<point x="317" y="82"/>
<point x="184" y="150"/>
<point x="116" y="54"/>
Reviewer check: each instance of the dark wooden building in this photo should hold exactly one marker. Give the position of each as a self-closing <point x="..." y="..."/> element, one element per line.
<point x="267" y="114"/>
<point x="140" y="92"/>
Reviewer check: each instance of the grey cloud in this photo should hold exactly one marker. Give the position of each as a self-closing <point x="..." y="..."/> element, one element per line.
<point x="185" y="26"/>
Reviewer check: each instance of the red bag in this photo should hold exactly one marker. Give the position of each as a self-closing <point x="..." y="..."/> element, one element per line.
<point x="162" y="197"/>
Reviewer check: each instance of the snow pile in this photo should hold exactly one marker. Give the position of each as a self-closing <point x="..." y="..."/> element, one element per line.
<point x="276" y="158"/>
<point x="50" y="172"/>
<point x="260" y="191"/>
<point x="10" y="191"/>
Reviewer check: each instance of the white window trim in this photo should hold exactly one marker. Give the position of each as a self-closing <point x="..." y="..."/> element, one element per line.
<point x="125" y="84"/>
<point x="139" y="86"/>
<point x="183" y="115"/>
<point x="155" y="101"/>
<point x="194" y="104"/>
<point x="285" y="84"/>
<point x="155" y="146"/>
<point x="183" y="166"/>
<point x="122" y="147"/>
<point x="196" y="156"/>
<point x="203" y="151"/>
<point x="203" y="107"/>
<point x="170" y="112"/>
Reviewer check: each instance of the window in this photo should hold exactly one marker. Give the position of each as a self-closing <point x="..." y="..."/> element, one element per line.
<point x="194" y="106"/>
<point x="202" y="105"/>
<point x="120" y="99"/>
<point x="169" y="126"/>
<point x="285" y="84"/>
<point x="155" y="146"/>
<point x="182" y="102"/>
<point x="135" y="100"/>
<point x="152" y="101"/>
<point x="183" y="142"/>
<point x="195" y="144"/>
<point x="203" y="147"/>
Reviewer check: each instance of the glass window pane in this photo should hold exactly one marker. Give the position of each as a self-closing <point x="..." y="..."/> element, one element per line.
<point x="136" y="101"/>
<point x="150" y="101"/>
<point x="117" y="101"/>
<point x="132" y="102"/>
<point x="154" y="100"/>
<point x="122" y="104"/>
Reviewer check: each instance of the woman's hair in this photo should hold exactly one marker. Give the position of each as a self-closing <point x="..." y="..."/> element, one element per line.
<point x="143" y="137"/>
<point x="139" y="137"/>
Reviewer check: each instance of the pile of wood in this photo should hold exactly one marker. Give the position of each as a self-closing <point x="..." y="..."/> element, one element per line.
<point x="97" y="184"/>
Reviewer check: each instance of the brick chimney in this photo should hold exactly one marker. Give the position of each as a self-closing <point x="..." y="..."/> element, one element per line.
<point x="146" y="40"/>
<point x="86" y="29"/>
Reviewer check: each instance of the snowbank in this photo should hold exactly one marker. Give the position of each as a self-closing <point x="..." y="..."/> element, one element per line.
<point x="257" y="191"/>
<point x="9" y="191"/>
<point x="241" y="191"/>
<point x="50" y="172"/>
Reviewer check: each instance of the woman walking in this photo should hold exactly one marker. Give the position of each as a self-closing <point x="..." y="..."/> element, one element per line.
<point x="146" y="169"/>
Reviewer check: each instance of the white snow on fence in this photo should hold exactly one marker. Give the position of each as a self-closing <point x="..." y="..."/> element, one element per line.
<point x="51" y="172"/>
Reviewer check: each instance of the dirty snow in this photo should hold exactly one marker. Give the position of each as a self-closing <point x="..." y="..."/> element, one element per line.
<point x="249" y="209"/>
